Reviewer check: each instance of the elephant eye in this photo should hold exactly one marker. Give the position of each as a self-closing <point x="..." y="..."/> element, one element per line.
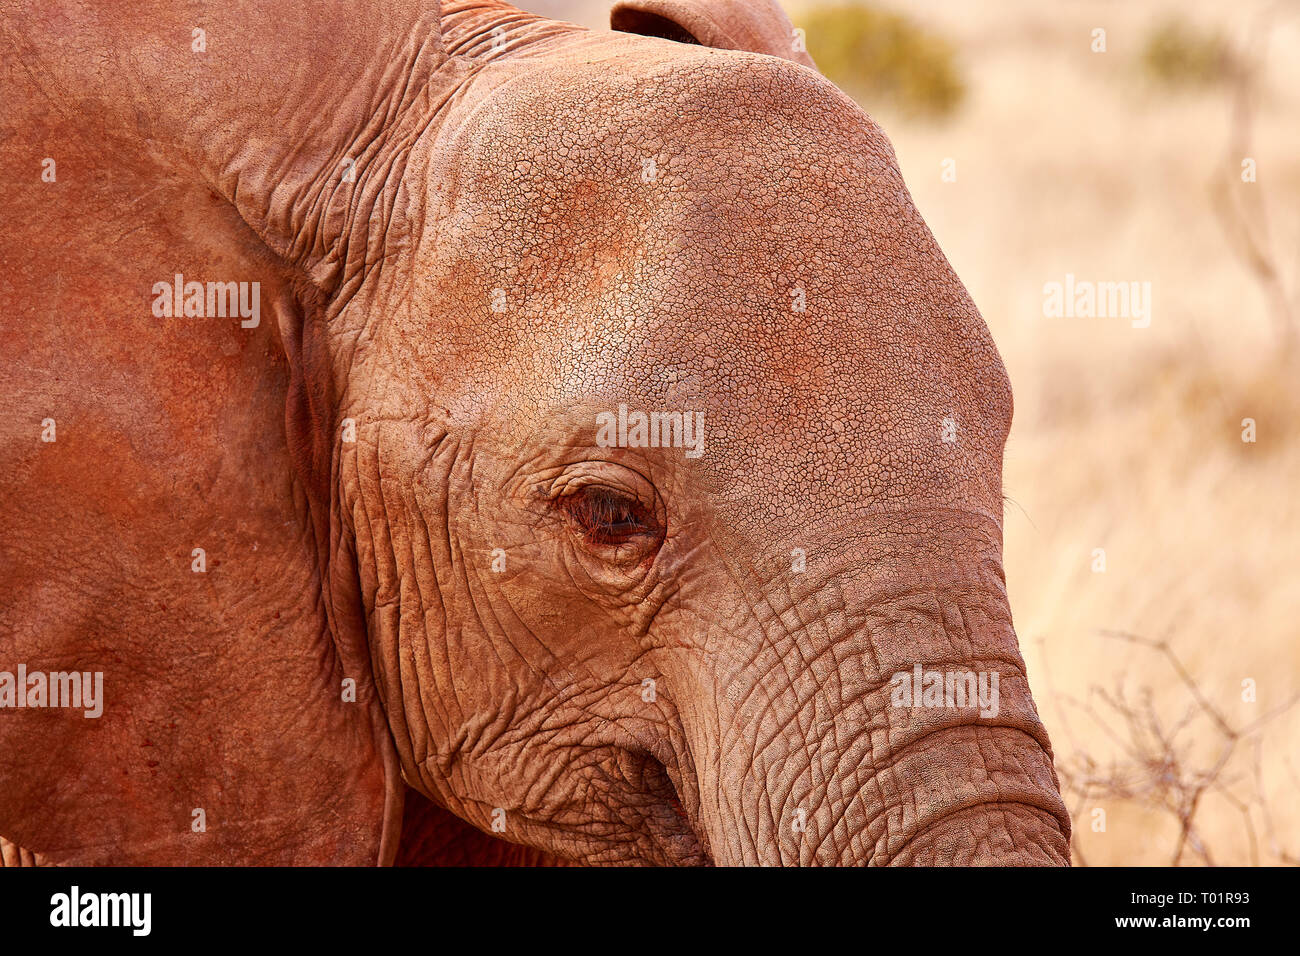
<point x="607" y="518"/>
<point x="614" y="512"/>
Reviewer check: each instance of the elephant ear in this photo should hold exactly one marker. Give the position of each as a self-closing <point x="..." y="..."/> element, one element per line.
<point x="757" y="26"/>
<point x="172" y="550"/>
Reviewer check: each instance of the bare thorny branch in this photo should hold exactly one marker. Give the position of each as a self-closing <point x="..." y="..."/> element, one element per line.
<point x="1156" y="768"/>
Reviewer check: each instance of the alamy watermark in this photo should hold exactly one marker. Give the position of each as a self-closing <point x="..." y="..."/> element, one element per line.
<point x="1085" y="299"/>
<point x="637" y="429"/>
<point x="78" y="690"/>
<point x="74" y="908"/>
<point x="179" y="298"/>
<point x="950" y="689"/>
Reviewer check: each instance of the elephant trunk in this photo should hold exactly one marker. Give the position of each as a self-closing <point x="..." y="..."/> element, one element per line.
<point x="897" y="728"/>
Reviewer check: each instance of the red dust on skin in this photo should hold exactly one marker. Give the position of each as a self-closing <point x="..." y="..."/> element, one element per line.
<point x="350" y="680"/>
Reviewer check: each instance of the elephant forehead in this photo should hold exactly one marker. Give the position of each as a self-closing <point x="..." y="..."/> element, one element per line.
<point x="737" y="207"/>
<point x="740" y="245"/>
<point x="568" y="186"/>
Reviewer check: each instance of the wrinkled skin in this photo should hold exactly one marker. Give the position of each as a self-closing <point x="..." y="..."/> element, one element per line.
<point x="502" y="589"/>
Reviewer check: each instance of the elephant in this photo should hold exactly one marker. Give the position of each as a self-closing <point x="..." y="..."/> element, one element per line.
<point x="440" y="434"/>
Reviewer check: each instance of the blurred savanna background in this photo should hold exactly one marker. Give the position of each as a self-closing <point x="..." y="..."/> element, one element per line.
<point x="1152" y="473"/>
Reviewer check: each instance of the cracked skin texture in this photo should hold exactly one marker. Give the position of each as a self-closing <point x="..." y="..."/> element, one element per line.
<point x="507" y="264"/>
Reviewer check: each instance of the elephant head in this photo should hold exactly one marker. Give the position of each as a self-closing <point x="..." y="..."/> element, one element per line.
<point x="640" y="466"/>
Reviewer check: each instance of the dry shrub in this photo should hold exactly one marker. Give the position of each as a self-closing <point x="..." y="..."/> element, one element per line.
<point x="1169" y="767"/>
<point x="877" y="55"/>
<point x="1178" y="54"/>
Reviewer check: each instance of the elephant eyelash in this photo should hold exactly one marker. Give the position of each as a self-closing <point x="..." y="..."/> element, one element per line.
<point x="606" y="517"/>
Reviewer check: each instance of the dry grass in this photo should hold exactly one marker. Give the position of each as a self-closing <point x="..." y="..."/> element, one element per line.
<point x="1129" y="439"/>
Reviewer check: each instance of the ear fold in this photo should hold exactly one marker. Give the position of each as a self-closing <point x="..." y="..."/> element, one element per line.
<point x="758" y="26"/>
